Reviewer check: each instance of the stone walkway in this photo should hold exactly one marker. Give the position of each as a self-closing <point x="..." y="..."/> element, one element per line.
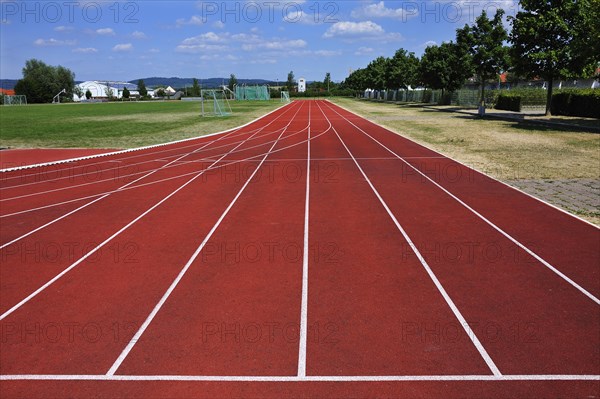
<point x="578" y="196"/>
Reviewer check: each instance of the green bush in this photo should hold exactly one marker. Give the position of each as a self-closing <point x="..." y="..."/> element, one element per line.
<point x="508" y="102"/>
<point x="576" y="102"/>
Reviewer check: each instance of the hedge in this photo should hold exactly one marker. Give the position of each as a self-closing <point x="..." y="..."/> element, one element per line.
<point x="577" y="102"/>
<point x="509" y="102"/>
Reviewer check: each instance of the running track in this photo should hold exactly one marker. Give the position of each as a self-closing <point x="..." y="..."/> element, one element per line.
<point x="309" y="253"/>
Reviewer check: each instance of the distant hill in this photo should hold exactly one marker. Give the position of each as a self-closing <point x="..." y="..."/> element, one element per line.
<point x="8" y="84"/>
<point x="206" y="83"/>
<point x="176" y="83"/>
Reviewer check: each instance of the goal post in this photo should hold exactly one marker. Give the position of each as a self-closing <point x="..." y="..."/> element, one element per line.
<point x="215" y="103"/>
<point x="285" y="97"/>
<point x="17" y="99"/>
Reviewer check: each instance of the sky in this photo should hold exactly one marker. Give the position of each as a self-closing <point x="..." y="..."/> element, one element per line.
<point x="127" y="40"/>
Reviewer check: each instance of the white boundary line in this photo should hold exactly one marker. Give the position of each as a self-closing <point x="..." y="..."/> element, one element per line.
<point x="18" y="168"/>
<point x="187" y="266"/>
<point x="479" y="215"/>
<point x="255" y="157"/>
<point x="470" y="333"/>
<point x="382" y="378"/>
<point x="468" y="167"/>
<point x="110" y="193"/>
<point x="162" y="157"/>
<point x="305" y="254"/>
<point x="80" y="260"/>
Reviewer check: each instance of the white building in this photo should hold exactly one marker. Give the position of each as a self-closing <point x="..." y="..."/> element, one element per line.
<point x="101" y="89"/>
<point x="301" y="85"/>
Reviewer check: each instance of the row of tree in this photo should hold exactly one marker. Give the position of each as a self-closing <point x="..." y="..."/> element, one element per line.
<point x="549" y="40"/>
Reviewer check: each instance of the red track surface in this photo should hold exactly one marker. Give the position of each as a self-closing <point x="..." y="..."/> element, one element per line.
<point x="24" y="157"/>
<point x="309" y="253"/>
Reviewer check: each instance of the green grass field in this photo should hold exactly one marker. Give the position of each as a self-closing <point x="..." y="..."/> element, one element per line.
<point x="116" y="125"/>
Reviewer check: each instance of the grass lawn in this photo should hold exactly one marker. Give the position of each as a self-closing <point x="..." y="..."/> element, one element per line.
<point x="116" y="125"/>
<point x="506" y="150"/>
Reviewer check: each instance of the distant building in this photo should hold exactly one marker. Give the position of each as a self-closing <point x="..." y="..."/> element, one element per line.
<point x="101" y="89"/>
<point x="301" y="85"/>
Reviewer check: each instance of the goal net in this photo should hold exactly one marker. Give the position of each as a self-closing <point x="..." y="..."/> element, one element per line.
<point x="15" y="100"/>
<point x="285" y="97"/>
<point x="260" y="93"/>
<point x="215" y="103"/>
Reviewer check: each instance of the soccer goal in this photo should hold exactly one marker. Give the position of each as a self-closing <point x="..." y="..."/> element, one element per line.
<point x="285" y="97"/>
<point x="15" y="100"/>
<point x="215" y="103"/>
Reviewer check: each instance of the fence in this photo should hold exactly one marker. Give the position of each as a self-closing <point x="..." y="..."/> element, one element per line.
<point x="532" y="99"/>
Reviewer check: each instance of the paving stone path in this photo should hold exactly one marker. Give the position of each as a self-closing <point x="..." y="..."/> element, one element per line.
<point x="578" y="196"/>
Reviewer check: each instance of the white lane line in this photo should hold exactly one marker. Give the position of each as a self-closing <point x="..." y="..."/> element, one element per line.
<point x="304" y="304"/>
<point x="255" y="157"/>
<point x="108" y="194"/>
<point x="75" y="264"/>
<point x="65" y="188"/>
<point x="470" y="333"/>
<point x="150" y="147"/>
<point x="374" y="378"/>
<point x="183" y="271"/>
<point x="480" y="216"/>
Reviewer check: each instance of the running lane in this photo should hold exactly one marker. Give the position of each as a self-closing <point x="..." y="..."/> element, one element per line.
<point x="30" y="262"/>
<point x="558" y="238"/>
<point x="81" y="322"/>
<point x="367" y="302"/>
<point x="236" y="311"/>
<point x="530" y="320"/>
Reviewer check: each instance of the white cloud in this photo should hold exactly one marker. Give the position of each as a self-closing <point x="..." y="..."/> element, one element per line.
<point x="139" y="35"/>
<point x="154" y="50"/>
<point x="430" y="43"/>
<point x="120" y="48"/>
<point x="85" y="50"/>
<point x="264" y="61"/>
<point x="54" y="42"/>
<point x="194" y="20"/>
<point x="275" y="45"/>
<point x="328" y="53"/>
<point x="218" y="25"/>
<point x="364" y="51"/>
<point x="105" y="32"/>
<point x="5" y="22"/>
<point x="296" y="15"/>
<point x="379" y="10"/>
<point x="63" y="28"/>
<point x="345" y="29"/>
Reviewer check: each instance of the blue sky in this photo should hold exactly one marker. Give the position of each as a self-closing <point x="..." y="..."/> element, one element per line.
<point x="105" y="39"/>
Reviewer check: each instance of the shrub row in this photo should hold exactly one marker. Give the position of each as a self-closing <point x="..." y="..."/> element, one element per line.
<point x="577" y="102"/>
<point x="509" y="102"/>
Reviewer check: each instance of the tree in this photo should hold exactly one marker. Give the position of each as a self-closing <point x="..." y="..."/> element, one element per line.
<point x="445" y="67"/>
<point x="88" y="94"/>
<point x="126" y="93"/>
<point x="377" y="73"/>
<point x="357" y="80"/>
<point x="485" y="42"/>
<point x="403" y="70"/>
<point x="42" y="82"/>
<point x="327" y="81"/>
<point x="77" y="91"/>
<point x="141" y="86"/>
<point x="291" y="81"/>
<point x="232" y="82"/>
<point x="160" y="93"/>
<point x="556" y="40"/>
<point x="109" y="93"/>
<point x="195" y="88"/>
